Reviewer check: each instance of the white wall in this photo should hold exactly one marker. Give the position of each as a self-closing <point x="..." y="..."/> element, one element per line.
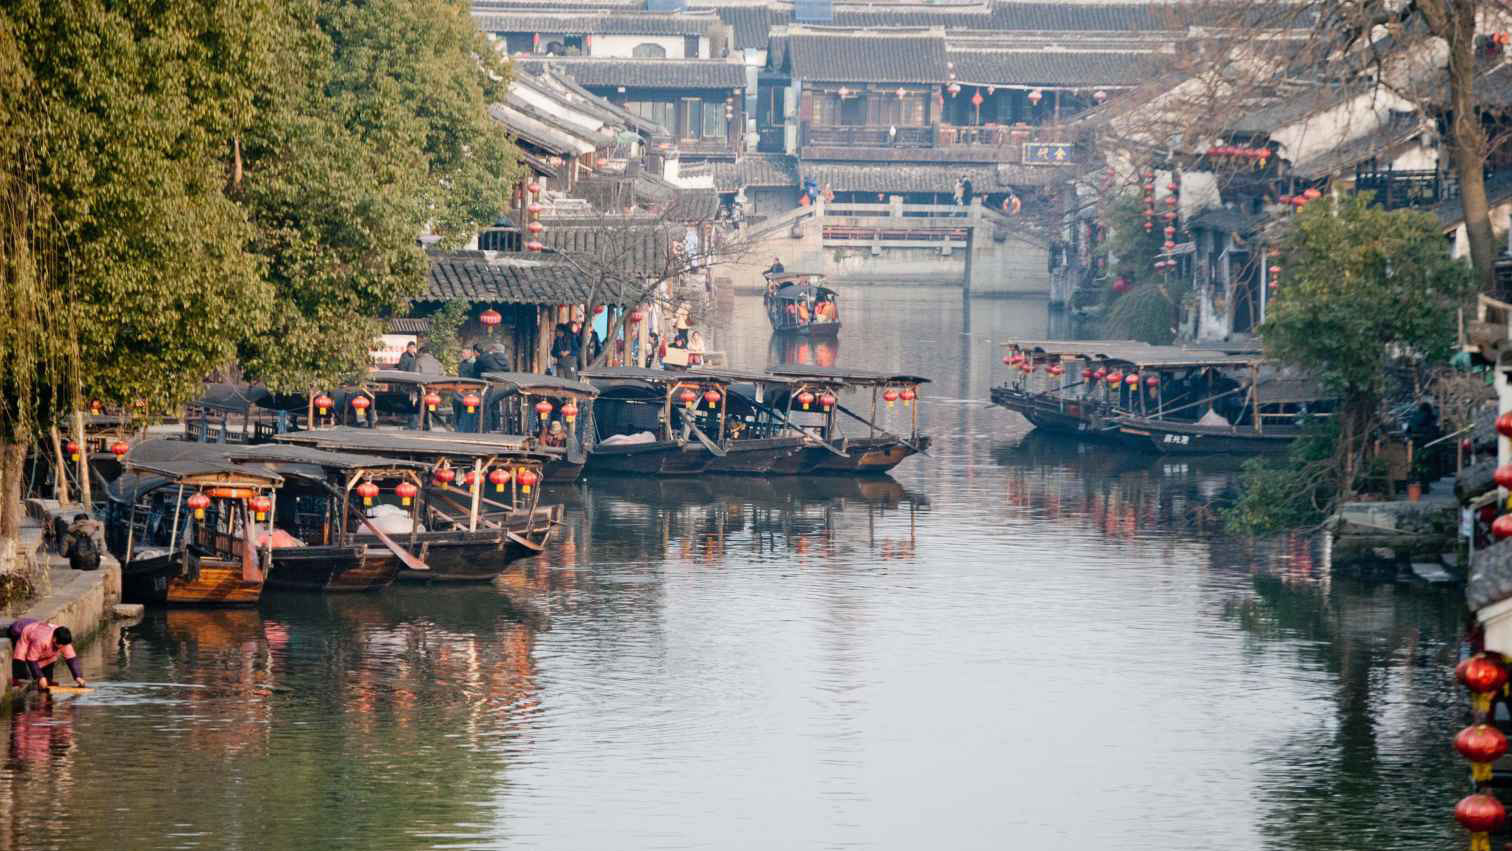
<point x="621" y="46"/>
<point x="1324" y="131"/>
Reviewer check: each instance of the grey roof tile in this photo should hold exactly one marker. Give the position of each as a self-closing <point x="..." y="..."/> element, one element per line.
<point x="644" y="73"/>
<point x="939" y="179"/>
<point x="473" y="276"/>
<point x="592" y="23"/>
<point x="873" y="56"/>
<point x="751" y="170"/>
<point x="1053" y="68"/>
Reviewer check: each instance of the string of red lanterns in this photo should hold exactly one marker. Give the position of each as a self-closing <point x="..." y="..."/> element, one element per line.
<point x="1481" y="744"/>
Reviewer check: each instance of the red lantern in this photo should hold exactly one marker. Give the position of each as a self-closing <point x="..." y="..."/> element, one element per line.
<point x="953" y="88"/>
<point x="1100" y="374"/>
<point x="500" y="478"/>
<point x="636" y="316"/>
<point x="1481" y="744"/>
<point x="1149" y="226"/>
<point x="1503" y="475"/>
<point x="1170" y="200"/>
<point x="597" y="309"/>
<point x="1034" y="96"/>
<point x="1169" y="215"/>
<point x="908" y="394"/>
<point x="1504" y="424"/>
<point x="490" y="318"/>
<point x="543" y="409"/>
<point x="120" y="448"/>
<point x="1088" y="374"/>
<point x="890" y="395"/>
<point x="534" y="188"/>
<point x="527" y="479"/>
<point x="976" y="100"/>
<point x="1501" y="527"/>
<point x="805" y="399"/>
<point x="470" y="478"/>
<point x="1480" y="814"/>
<point x="712" y="397"/>
<point x="472" y="402"/>
<point x="1275" y="271"/>
<point x="1152" y="381"/>
<point x="406" y="492"/>
<point x="1312" y="194"/>
<point x="534" y="245"/>
<point x="534" y="208"/>
<point x="367" y="490"/>
<point x="199" y="502"/>
<point x="569" y="411"/>
<point x="73" y="451"/>
<point x="1132" y="379"/>
<point x="432" y="399"/>
<point x="1115" y="378"/>
<point x="603" y="161"/>
<point x="535" y="227"/>
<point x="1121" y="285"/>
<point x="827" y="401"/>
<point x="1170" y="231"/>
<point x="323" y="404"/>
<point x="1484" y="675"/>
<point x="1168" y="245"/>
<point x="688" y="397"/>
<point x="260" y="505"/>
<point x="444" y="475"/>
<point x="360" y="403"/>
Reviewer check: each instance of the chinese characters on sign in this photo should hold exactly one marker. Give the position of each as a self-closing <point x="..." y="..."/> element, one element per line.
<point x="1047" y="153"/>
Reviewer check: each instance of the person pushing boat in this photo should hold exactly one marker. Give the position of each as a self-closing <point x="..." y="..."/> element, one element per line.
<point x="35" y="648"/>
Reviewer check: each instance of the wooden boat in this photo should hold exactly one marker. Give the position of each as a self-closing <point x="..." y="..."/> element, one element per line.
<point x="756" y="434"/>
<point x="512" y="406"/>
<point x="321" y="538"/>
<point x="1165" y="399"/>
<point x="799" y="303"/>
<point x="878" y="449"/>
<point x="173" y="549"/>
<point x="644" y="423"/>
<point x="475" y="527"/>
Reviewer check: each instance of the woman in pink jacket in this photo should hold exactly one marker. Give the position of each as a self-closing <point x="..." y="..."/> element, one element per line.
<point x="35" y="648"/>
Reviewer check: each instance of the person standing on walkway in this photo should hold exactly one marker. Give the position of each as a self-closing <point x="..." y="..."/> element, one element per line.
<point x="407" y="360"/>
<point x="35" y="648"/>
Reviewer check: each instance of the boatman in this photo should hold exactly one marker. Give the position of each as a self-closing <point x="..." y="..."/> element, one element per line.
<point x="35" y="648"/>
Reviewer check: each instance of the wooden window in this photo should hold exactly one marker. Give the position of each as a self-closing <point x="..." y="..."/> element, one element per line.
<point x="692" y="118"/>
<point x="714" y="123"/>
<point x="853" y="111"/>
<point x="690" y="47"/>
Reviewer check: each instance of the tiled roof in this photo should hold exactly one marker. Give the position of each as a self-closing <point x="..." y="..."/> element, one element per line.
<point x="752" y="25"/>
<point x="474" y="276"/>
<point x="1399" y="131"/>
<point x="751" y="170"/>
<point x="939" y="179"/>
<point x="590" y="23"/>
<point x="1054" y="68"/>
<point x="644" y="73"/>
<point x="1105" y="17"/>
<point x="873" y="56"/>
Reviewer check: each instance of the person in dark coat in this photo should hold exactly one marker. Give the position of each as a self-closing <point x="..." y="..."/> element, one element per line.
<point x="564" y="352"/>
<point x="493" y="360"/>
<point x="966" y="191"/>
<point x="407" y="360"/>
<point x="468" y="367"/>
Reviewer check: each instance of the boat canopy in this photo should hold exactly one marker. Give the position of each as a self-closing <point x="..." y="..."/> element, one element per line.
<point x="1136" y="353"/>
<point x="786" y="277"/>
<point x="530" y="383"/>
<point x="795" y="292"/>
<point x="411" y="442"/>
<point x="287" y="460"/>
<point x="746" y="376"/>
<point x="453" y="383"/>
<point x="843" y="375"/>
<point x="243" y="398"/>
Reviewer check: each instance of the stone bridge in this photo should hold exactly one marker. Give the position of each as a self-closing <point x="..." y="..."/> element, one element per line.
<point x="986" y="252"/>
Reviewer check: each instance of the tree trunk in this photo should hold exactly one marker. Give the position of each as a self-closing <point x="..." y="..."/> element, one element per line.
<point x="1454" y="21"/>
<point x="60" y="467"/>
<point x="86" y="492"/>
<point x="12" y="464"/>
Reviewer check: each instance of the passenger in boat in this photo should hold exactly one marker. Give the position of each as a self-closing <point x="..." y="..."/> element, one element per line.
<point x="35" y="648"/>
<point x="776" y="268"/>
<point x="407" y="360"/>
<point x="824" y="309"/>
<point x="554" y="436"/>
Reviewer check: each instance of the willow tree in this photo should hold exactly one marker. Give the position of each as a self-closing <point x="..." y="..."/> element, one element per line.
<point x="372" y="128"/>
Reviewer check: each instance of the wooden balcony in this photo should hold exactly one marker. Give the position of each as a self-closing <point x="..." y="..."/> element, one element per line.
<point x="945" y="143"/>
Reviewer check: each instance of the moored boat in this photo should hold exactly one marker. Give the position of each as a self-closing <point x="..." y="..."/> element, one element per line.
<point x="525" y="403"/>
<point x="179" y="528"/>
<point x="868" y="446"/>
<point x="654" y="422"/>
<point x="481" y="497"/>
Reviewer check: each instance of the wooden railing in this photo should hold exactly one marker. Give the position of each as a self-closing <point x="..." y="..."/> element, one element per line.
<point x="868" y="137"/>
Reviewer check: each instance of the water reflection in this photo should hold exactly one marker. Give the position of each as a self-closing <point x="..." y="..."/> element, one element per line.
<point x="799" y="350"/>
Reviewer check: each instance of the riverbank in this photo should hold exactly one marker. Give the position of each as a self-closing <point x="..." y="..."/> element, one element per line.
<point x="81" y="600"/>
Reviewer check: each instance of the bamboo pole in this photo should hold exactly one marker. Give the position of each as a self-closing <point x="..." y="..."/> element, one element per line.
<point x="86" y="493"/>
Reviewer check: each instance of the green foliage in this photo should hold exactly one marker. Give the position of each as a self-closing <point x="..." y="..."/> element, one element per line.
<point x="1151" y="310"/>
<point x="373" y="129"/>
<point x="1146" y="313"/>
<point x="1295" y="493"/>
<point x="445" y="341"/>
<point x="1361" y="285"/>
<point x="1134" y="248"/>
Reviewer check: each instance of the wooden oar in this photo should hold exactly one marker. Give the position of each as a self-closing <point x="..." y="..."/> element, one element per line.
<point x="710" y="445"/>
<point x="404" y="556"/>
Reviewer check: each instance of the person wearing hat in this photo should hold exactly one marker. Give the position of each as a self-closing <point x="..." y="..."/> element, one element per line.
<point x="556" y="435"/>
<point x="35" y="648"/>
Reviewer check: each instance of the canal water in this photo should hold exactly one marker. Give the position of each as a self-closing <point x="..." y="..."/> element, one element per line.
<point x="1016" y="642"/>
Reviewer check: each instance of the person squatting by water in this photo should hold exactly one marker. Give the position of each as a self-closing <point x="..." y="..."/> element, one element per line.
<point x="35" y="647"/>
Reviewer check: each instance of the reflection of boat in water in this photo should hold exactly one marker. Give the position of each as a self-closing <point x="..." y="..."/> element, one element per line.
<point x="772" y="492"/>
<point x="798" y="303"/>
<point x="796" y="350"/>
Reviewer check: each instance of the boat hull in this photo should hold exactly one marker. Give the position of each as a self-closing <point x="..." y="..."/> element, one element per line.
<point x="760" y="455"/>
<point x="561" y="471"/>
<point x="1175" y="438"/>
<point x="864" y="455"/>
<point x="480" y="556"/>
<point x="819" y="329"/>
<point x="334" y="569"/>
<point x="1079" y="419"/>
<point x="161" y="581"/>
<point x="662" y="458"/>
